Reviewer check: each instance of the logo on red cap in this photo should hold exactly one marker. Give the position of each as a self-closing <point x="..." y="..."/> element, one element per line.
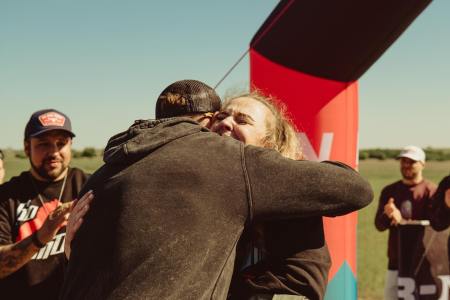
<point x="52" y="119"/>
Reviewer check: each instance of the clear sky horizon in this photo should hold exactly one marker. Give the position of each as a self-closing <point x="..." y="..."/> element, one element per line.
<point x="104" y="63"/>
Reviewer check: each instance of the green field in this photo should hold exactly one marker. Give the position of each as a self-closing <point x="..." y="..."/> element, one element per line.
<point x="372" y="244"/>
<point x="372" y="260"/>
<point x="14" y="166"/>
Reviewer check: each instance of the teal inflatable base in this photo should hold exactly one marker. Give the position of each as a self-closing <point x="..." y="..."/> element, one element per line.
<point x="343" y="286"/>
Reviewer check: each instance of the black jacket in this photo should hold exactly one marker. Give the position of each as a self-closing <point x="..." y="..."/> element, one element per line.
<point x="171" y="203"/>
<point x="441" y="212"/>
<point x="296" y="260"/>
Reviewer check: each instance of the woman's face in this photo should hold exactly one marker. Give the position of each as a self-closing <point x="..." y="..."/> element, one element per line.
<point x="243" y="119"/>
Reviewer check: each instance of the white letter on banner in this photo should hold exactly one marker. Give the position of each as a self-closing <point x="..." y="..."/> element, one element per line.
<point x="325" y="146"/>
<point x="445" y="286"/>
<point x="427" y="289"/>
<point x="408" y="285"/>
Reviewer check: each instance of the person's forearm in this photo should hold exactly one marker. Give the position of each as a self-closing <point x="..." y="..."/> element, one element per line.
<point x="382" y="221"/>
<point x="14" y="256"/>
<point x="281" y="188"/>
<point x="355" y="200"/>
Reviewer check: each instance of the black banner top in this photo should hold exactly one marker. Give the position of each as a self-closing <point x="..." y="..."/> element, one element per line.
<point x="337" y="40"/>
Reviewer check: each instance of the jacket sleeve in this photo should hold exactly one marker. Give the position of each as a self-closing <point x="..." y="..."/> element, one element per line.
<point x="440" y="219"/>
<point x="281" y="188"/>
<point x="297" y="260"/>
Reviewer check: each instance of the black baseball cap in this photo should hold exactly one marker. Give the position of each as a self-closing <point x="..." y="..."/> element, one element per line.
<point x="186" y="97"/>
<point x="46" y="120"/>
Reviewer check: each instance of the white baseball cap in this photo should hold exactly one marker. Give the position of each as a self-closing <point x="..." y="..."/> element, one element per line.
<point x="413" y="152"/>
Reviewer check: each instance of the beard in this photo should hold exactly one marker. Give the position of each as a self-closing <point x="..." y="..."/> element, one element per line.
<point x="409" y="174"/>
<point x="51" y="174"/>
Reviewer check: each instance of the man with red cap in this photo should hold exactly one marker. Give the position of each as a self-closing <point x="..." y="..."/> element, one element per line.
<point x="34" y="207"/>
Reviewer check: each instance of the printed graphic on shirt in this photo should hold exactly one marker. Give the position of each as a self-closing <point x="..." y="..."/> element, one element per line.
<point x="26" y="211"/>
<point x="54" y="247"/>
<point x="34" y="216"/>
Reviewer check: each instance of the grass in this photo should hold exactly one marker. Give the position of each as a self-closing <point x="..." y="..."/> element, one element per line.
<point x="372" y="245"/>
<point x="14" y="166"/>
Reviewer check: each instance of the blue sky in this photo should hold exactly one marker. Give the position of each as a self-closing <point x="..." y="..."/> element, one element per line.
<point x="104" y="63"/>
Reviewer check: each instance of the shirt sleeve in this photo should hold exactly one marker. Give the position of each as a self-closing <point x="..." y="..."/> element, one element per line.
<point x="382" y="221"/>
<point x="281" y="188"/>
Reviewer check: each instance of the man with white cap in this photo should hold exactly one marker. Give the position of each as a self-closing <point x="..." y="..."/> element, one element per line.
<point x="405" y="199"/>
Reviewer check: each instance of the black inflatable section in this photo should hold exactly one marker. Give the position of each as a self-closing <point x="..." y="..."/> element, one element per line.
<point x="332" y="39"/>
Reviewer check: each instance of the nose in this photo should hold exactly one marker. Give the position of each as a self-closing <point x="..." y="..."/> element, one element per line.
<point x="53" y="149"/>
<point x="226" y="126"/>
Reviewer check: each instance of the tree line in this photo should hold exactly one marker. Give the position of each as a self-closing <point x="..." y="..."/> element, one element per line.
<point x="88" y="152"/>
<point x="436" y="154"/>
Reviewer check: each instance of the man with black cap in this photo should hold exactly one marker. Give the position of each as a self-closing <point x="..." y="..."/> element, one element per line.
<point x="178" y="197"/>
<point x="405" y="199"/>
<point x="184" y="98"/>
<point x="34" y="207"/>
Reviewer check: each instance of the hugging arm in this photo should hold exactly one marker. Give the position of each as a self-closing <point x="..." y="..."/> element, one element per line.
<point x="282" y="188"/>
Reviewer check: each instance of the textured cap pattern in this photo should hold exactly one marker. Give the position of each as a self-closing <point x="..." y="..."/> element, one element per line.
<point x="186" y="97"/>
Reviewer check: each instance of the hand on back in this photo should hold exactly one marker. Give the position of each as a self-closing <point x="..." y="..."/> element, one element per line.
<point x="79" y="210"/>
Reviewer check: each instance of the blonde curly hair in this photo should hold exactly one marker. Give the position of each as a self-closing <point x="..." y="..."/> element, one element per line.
<point x="281" y="133"/>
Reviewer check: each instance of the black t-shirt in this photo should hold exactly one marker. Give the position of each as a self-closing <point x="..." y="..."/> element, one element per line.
<point x="21" y="214"/>
<point x="419" y="195"/>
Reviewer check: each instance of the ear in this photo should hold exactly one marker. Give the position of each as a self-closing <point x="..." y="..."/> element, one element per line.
<point x="26" y="147"/>
<point x="212" y="119"/>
